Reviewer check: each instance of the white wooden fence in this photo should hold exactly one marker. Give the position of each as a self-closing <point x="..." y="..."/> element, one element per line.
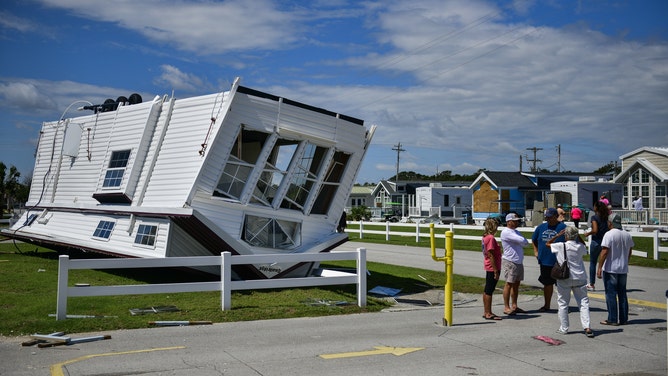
<point x="439" y="232"/>
<point x="225" y="285"/>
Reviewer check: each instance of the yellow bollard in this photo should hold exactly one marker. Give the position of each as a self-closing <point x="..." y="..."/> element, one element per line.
<point x="448" y="259"/>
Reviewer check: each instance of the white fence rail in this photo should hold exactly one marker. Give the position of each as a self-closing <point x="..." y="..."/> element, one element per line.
<point x="225" y="285"/>
<point x="416" y="231"/>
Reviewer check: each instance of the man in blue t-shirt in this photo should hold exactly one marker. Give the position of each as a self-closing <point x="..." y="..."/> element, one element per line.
<point x="546" y="259"/>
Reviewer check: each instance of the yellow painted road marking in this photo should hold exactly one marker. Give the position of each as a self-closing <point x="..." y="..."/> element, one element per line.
<point x="57" y="369"/>
<point x="379" y="350"/>
<point x="645" y="303"/>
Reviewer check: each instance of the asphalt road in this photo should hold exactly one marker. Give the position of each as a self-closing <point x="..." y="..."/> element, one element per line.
<point x="404" y="340"/>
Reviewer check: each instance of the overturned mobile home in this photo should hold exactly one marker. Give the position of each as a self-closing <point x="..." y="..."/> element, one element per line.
<point x="241" y="171"/>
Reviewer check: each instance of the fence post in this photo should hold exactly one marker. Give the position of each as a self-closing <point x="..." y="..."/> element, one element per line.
<point x="226" y="280"/>
<point x="361" y="277"/>
<point x="657" y="243"/>
<point x="387" y="231"/>
<point x="417" y="231"/>
<point x="63" y="277"/>
<point x="361" y="229"/>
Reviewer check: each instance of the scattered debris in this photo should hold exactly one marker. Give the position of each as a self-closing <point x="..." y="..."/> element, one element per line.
<point x="324" y="302"/>
<point x="158" y="309"/>
<point x="59" y="339"/>
<point x="386" y="291"/>
<point x="420" y="302"/>
<point x="423" y="278"/>
<point x="84" y="316"/>
<point x="549" y="340"/>
<point x="179" y="323"/>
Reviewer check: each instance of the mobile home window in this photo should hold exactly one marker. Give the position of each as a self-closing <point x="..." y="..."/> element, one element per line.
<point x="104" y="229"/>
<point x="245" y="152"/>
<point x="114" y="175"/>
<point x="275" y="169"/>
<point x="305" y="177"/>
<point x="331" y="183"/>
<point x="146" y="235"/>
<point x="271" y="232"/>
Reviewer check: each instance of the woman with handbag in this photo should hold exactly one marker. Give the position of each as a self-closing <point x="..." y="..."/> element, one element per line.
<point x="572" y="251"/>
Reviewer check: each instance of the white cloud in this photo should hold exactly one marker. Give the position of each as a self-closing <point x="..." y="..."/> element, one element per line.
<point x="203" y="27"/>
<point x="172" y="77"/>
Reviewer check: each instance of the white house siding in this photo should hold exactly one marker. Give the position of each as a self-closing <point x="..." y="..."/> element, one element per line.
<point x="81" y="226"/>
<point x="179" y="161"/>
<point x="255" y="112"/>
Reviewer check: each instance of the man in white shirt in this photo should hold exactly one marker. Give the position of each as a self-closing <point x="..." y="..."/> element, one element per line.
<point x="512" y="266"/>
<point x="613" y="267"/>
<point x="637" y="204"/>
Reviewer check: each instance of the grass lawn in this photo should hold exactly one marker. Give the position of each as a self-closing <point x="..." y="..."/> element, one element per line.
<point x="29" y="277"/>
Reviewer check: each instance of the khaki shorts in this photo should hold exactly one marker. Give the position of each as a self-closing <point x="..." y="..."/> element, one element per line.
<point x="512" y="272"/>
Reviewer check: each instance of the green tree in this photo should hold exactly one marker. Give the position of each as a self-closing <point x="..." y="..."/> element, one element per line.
<point x="9" y="186"/>
<point x="358" y="213"/>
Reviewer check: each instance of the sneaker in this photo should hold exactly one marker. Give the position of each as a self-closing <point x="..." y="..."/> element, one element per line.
<point x="561" y="331"/>
<point x="590" y="288"/>
<point x="589" y="333"/>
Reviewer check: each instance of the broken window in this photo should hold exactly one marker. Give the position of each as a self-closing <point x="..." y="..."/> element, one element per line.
<point x="146" y="235"/>
<point x="104" y="229"/>
<point x="274" y="171"/>
<point x="114" y="175"/>
<point x="331" y="183"/>
<point x="305" y="177"/>
<point x="271" y="232"/>
<point x="243" y="157"/>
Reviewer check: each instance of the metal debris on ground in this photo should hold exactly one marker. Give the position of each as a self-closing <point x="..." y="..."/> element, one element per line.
<point x="420" y="302"/>
<point x="157" y="309"/>
<point x="324" y="302"/>
<point x="386" y="291"/>
<point x="179" y="323"/>
<point x="59" y="339"/>
<point x="84" y="316"/>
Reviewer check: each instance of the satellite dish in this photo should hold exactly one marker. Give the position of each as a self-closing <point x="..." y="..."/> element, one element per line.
<point x="135" y="98"/>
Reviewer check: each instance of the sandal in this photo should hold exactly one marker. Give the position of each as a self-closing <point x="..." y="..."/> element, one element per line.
<point x="606" y="322"/>
<point x="510" y="313"/>
<point x="589" y="333"/>
<point x="492" y="317"/>
<point x="519" y="310"/>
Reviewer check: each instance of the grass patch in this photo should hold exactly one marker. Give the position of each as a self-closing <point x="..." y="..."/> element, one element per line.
<point x="29" y="278"/>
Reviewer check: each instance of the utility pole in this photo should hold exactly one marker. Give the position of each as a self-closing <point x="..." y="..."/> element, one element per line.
<point x="559" y="158"/>
<point x="534" y="160"/>
<point x="398" y="149"/>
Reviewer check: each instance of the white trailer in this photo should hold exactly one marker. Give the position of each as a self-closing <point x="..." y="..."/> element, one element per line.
<point x="586" y="192"/>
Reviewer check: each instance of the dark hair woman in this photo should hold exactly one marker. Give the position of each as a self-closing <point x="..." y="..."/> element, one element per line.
<point x="599" y="226"/>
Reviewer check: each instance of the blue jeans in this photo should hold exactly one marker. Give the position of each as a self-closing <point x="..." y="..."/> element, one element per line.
<point x="594" y="252"/>
<point x="615" y="297"/>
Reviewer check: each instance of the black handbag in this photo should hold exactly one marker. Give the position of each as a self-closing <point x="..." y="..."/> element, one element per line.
<point x="561" y="271"/>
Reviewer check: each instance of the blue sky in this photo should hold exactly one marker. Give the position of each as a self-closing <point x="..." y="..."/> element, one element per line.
<point x="462" y="85"/>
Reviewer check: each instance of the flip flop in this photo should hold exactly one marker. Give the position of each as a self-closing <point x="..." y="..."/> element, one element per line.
<point x="492" y="317"/>
<point x="519" y="310"/>
<point x="543" y="309"/>
<point x="511" y="313"/>
<point x="606" y="322"/>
